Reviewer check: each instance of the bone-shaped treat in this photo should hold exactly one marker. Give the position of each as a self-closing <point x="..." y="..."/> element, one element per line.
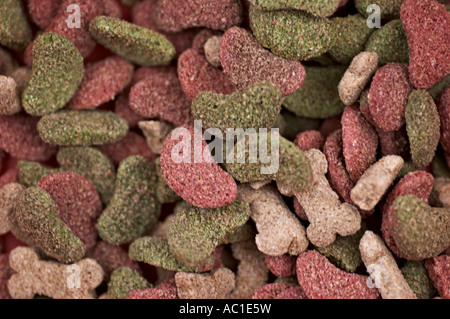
<point x="52" y="279"/>
<point x="216" y="285"/>
<point x="8" y="194"/>
<point x="326" y="214"/>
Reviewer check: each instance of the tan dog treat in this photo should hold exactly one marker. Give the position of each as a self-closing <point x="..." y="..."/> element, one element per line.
<point x="440" y="196"/>
<point x="9" y="96"/>
<point x="52" y="279"/>
<point x="216" y="285"/>
<point x="21" y="76"/>
<point x="279" y="231"/>
<point x="357" y="76"/>
<point x="212" y="49"/>
<point x="375" y="181"/>
<point x="8" y="194"/>
<point x="325" y="212"/>
<point x="252" y="272"/>
<point x="155" y="133"/>
<point x="162" y="228"/>
<point x="259" y="184"/>
<point x="383" y="269"/>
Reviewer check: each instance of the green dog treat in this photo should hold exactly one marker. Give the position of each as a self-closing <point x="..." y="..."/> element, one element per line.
<point x="318" y="97"/>
<point x="290" y="124"/>
<point x="195" y="232"/>
<point x="134" y="43"/>
<point x="344" y="251"/>
<point x="92" y="164"/>
<point x="408" y="167"/>
<point x="416" y="275"/>
<point x="388" y="8"/>
<point x="294" y="35"/>
<point x="352" y="35"/>
<point x="419" y="231"/>
<point x="323" y="8"/>
<point x="255" y="107"/>
<point x="133" y="209"/>
<point x="123" y="281"/>
<point x="30" y="173"/>
<point x="164" y="193"/>
<point x="243" y="233"/>
<point x="293" y="167"/>
<point x="423" y="127"/>
<point x="390" y="43"/>
<point x="15" y="32"/>
<point x="37" y="217"/>
<point x="437" y="89"/>
<point x="55" y="76"/>
<point x="156" y="252"/>
<point x="82" y="128"/>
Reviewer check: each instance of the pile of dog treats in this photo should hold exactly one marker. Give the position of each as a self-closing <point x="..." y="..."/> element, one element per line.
<point x="109" y="190"/>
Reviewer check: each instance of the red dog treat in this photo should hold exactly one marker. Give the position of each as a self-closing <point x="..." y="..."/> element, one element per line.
<point x="439" y="271"/>
<point x="281" y="266"/>
<point x="123" y="109"/>
<point x="246" y="62"/>
<point x="112" y="257"/>
<point x="112" y="8"/>
<point x="20" y="139"/>
<point x="176" y="15"/>
<point x="43" y="11"/>
<point x="143" y="14"/>
<point x="197" y="178"/>
<point x="444" y="114"/>
<point x="388" y="96"/>
<point x="359" y="142"/>
<point x="151" y="71"/>
<point x="161" y="96"/>
<point x="197" y="75"/>
<point x="427" y="27"/>
<point x="309" y="139"/>
<point x="200" y="39"/>
<point x="299" y="210"/>
<point x="320" y="279"/>
<point x="330" y="125"/>
<point x="292" y="293"/>
<point x="5" y="273"/>
<point x="394" y="143"/>
<point x="102" y="81"/>
<point x="77" y="202"/>
<point x="418" y="183"/>
<point x="271" y="291"/>
<point x="131" y="144"/>
<point x="166" y="290"/>
<point x="10" y="176"/>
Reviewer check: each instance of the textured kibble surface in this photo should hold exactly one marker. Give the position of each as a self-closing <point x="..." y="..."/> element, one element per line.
<point x="224" y="149"/>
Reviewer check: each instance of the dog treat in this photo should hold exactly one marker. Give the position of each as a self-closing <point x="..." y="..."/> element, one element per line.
<point x="215" y="285"/>
<point x="375" y="181"/>
<point x="389" y="43"/>
<point x="196" y="232"/>
<point x="56" y="74"/>
<point x="427" y="27"/>
<point x="252" y="272"/>
<point x="282" y="266"/>
<point x="123" y="281"/>
<point x="427" y="236"/>
<point x="155" y="133"/>
<point x="322" y="9"/>
<point x="443" y="105"/>
<point x="318" y="97"/>
<point x="255" y="107"/>
<point x="92" y="164"/>
<point x="416" y="275"/>
<point x="5" y="273"/>
<point x="441" y="192"/>
<point x="423" y="127"/>
<point x="166" y="290"/>
<point x="246" y="62"/>
<point x="133" y="209"/>
<point x="271" y="291"/>
<point x="357" y="76"/>
<point x="320" y="279"/>
<point x="8" y="195"/>
<point x="164" y="193"/>
<point x="38" y="277"/>
<point x="176" y="15"/>
<point x="293" y="35"/>
<point x="101" y="82"/>
<point x="352" y="34"/>
<point x="131" y="144"/>
<point x="134" y="43"/>
<point x="81" y="128"/>
<point x="9" y="96"/>
<point x="279" y="232"/>
<point x="43" y="11"/>
<point x="383" y="268"/>
<point x="209" y="186"/>
<point x="15" y="32"/>
<point x="344" y="251"/>
<point x="212" y="49"/>
<point x="197" y="75"/>
<point x="388" y="8"/>
<point x="123" y="109"/>
<point x="438" y="270"/>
